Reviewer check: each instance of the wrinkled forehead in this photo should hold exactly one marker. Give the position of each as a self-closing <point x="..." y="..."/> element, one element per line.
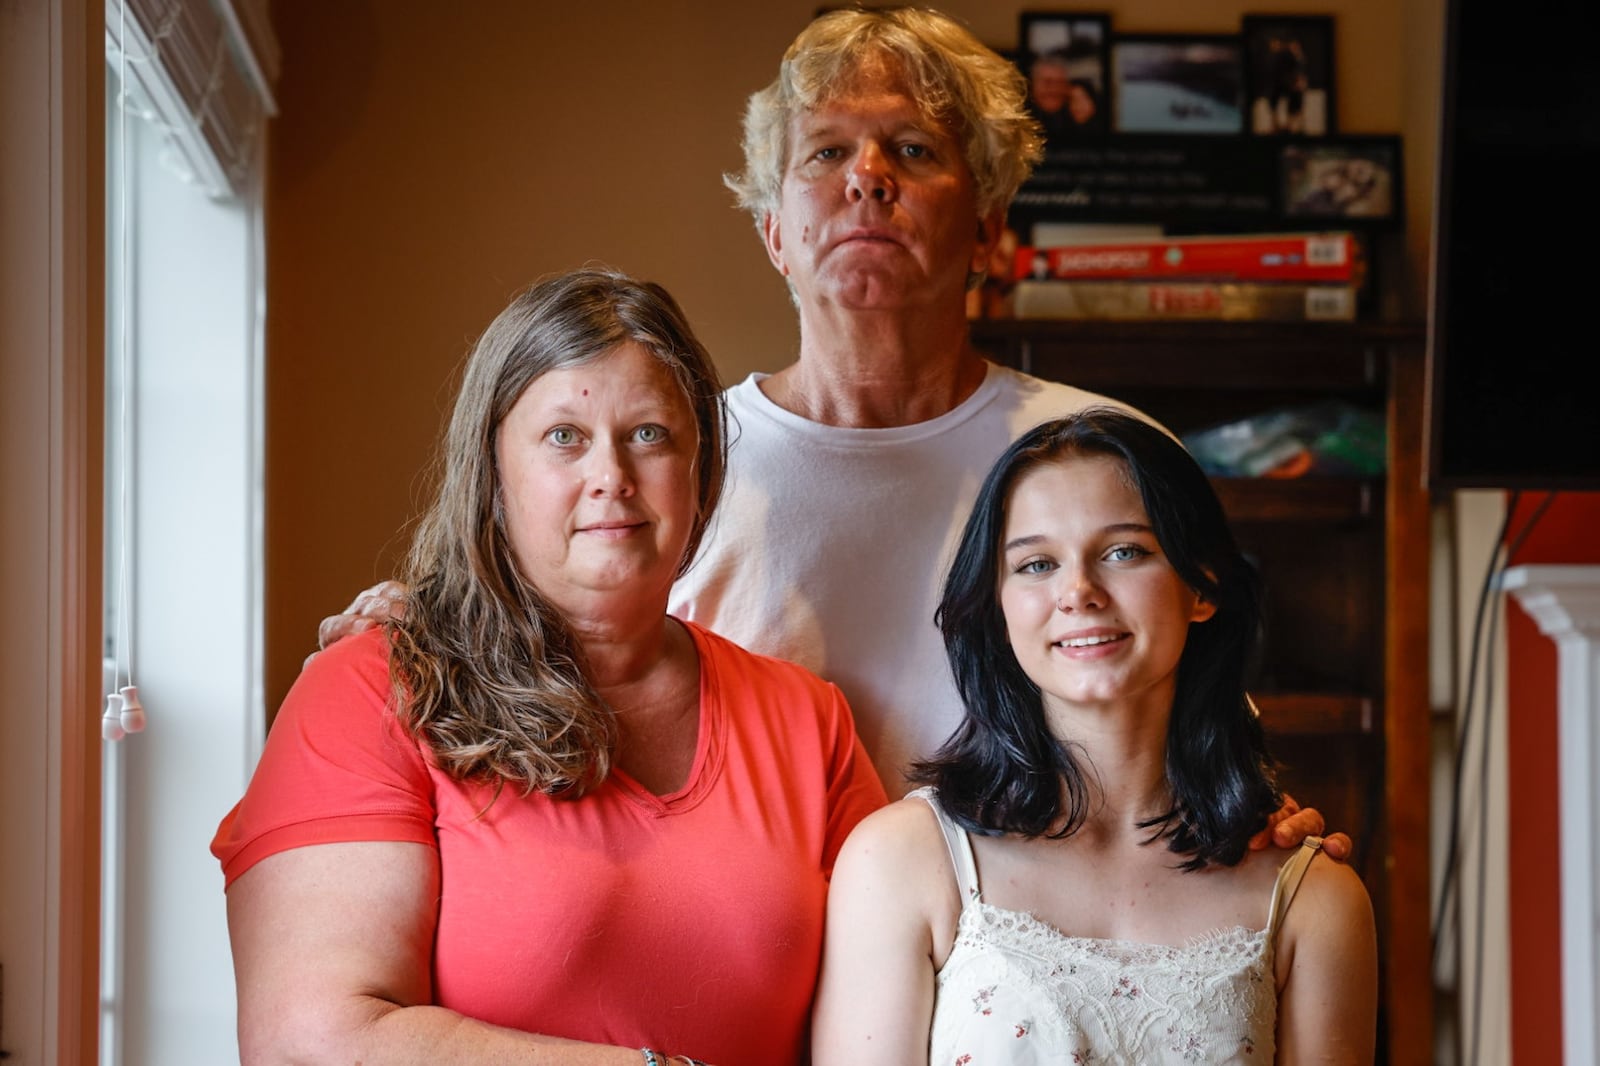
<point x="877" y="85"/>
<point x="876" y="74"/>
<point x="875" y="70"/>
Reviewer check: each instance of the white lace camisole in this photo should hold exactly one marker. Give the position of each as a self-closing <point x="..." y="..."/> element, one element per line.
<point x="1015" y="990"/>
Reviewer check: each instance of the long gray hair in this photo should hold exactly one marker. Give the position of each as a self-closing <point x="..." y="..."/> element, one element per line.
<point x="485" y="671"/>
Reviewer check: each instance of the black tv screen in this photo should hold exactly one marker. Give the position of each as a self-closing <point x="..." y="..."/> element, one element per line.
<point x="1516" y="273"/>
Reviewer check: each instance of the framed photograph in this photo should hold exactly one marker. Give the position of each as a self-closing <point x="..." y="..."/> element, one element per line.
<point x="1289" y="74"/>
<point x="1063" y="56"/>
<point x="1354" y="180"/>
<point x="1177" y="83"/>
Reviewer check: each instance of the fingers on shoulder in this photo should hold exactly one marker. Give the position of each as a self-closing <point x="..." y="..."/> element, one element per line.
<point x="336" y="627"/>
<point x="1338" y="846"/>
<point x="379" y="601"/>
<point x="1299" y="823"/>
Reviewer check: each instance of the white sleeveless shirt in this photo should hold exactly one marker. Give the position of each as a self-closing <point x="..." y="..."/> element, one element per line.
<point x="1016" y="990"/>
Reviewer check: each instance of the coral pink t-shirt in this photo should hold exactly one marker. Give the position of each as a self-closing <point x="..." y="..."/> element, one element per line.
<point x="690" y="922"/>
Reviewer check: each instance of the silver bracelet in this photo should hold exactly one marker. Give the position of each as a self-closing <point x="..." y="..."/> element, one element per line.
<point x="650" y="1057"/>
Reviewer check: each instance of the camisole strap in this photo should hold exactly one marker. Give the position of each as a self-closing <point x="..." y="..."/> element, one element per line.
<point x="1289" y="882"/>
<point x="960" y="845"/>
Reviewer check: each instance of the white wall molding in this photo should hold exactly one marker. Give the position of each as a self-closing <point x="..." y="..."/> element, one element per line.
<point x="1565" y="602"/>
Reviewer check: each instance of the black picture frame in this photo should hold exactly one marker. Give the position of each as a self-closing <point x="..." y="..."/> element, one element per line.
<point x="1189" y="83"/>
<point x="1290" y="83"/>
<point x="1341" y="180"/>
<point x="1065" y="57"/>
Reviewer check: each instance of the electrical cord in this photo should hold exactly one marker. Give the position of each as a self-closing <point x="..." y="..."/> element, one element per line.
<point x="1480" y="915"/>
<point x="1448" y="879"/>
<point x="1491" y="584"/>
<point x="1483" y="774"/>
<point x="1527" y="527"/>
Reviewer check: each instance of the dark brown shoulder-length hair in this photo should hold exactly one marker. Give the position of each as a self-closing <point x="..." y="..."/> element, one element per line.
<point x="1003" y="770"/>
<point x="485" y="671"/>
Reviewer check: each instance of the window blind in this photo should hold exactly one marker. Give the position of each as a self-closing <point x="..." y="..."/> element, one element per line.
<point x="202" y="71"/>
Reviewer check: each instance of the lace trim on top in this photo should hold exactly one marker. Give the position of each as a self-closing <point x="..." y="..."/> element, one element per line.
<point x="1021" y="930"/>
<point x="1017" y="990"/>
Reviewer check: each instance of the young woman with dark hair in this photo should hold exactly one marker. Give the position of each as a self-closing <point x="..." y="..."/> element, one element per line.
<point x="1221" y="778"/>
<point x="1074" y="881"/>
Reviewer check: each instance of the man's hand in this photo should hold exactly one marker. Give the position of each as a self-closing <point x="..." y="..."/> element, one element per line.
<point x="1290" y="825"/>
<point x="385" y="600"/>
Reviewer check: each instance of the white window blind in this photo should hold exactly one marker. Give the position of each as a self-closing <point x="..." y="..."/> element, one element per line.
<point x="202" y="71"/>
<point x="189" y="93"/>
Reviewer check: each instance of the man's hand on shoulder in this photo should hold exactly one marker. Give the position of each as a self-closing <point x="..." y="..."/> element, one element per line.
<point x="385" y="600"/>
<point x="1290" y="825"/>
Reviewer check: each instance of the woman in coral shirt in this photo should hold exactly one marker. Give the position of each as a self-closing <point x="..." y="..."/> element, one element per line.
<point x="536" y="819"/>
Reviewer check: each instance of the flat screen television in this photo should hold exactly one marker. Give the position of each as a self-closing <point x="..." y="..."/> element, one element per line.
<point x="1512" y="347"/>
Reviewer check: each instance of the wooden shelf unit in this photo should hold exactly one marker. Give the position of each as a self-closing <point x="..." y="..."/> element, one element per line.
<point x="1343" y="689"/>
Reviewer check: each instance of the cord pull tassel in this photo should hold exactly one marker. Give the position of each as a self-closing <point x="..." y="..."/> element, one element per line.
<point x="132" y="709"/>
<point x="111" y="722"/>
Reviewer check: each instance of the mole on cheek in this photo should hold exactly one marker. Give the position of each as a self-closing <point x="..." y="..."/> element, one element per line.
<point x="586" y="392"/>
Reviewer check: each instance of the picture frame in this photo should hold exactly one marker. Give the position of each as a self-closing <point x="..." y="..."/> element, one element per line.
<point x="1341" y="180"/>
<point x="1064" y="57"/>
<point x="1289" y="74"/>
<point x="1177" y="83"/>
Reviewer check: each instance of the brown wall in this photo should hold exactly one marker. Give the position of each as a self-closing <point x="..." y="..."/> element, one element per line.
<point x="430" y="159"/>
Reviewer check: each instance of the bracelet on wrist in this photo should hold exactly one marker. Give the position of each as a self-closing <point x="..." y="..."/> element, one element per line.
<point x="652" y="1057"/>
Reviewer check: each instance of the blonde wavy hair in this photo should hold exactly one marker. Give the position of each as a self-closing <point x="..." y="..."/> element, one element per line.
<point x="485" y="671"/>
<point x="953" y="76"/>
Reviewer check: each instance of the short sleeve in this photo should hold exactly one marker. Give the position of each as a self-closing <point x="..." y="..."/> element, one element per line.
<point x="337" y="766"/>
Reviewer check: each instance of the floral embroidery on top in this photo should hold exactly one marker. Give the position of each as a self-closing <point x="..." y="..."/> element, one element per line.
<point x="1094" y="1002"/>
<point x="1187" y="1045"/>
<point x="1040" y="995"/>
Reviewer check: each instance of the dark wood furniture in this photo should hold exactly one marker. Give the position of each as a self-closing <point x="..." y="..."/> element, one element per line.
<point x="1343" y="690"/>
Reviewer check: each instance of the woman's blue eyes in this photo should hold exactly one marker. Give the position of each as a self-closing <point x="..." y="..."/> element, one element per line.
<point x="1122" y="553"/>
<point x="566" y="436"/>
